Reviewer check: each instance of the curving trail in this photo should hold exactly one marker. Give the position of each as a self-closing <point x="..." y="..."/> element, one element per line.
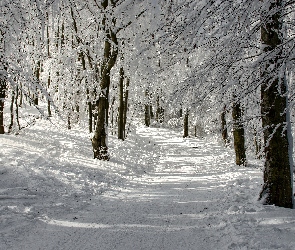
<point x="159" y="191"/>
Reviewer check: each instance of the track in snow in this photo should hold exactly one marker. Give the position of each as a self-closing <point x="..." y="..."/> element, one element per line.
<point x="159" y="191"/>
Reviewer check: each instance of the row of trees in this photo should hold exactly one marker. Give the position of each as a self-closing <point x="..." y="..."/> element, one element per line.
<point x="111" y="60"/>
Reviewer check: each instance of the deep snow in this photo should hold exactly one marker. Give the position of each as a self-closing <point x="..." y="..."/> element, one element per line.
<point x="159" y="191"/>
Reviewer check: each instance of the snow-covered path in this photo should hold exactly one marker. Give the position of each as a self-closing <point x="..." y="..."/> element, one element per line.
<point x="159" y="191"/>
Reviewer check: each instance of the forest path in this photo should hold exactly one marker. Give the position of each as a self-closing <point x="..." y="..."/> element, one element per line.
<point x="159" y="191"/>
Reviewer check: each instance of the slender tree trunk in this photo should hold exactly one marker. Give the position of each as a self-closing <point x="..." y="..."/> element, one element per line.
<point x="158" y="110"/>
<point x="90" y="116"/>
<point x="11" y="112"/>
<point x="2" y="98"/>
<point x="69" y="121"/>
<point x="257" y="144"/>
<point x="125" y="106"/>
<point x="16" y="107"/>
<point x="239" y="134"/>
<point x="121" y="106"/>
<point x="21" y="96"/>
<point x="185" y="125"/>
<point x="224" y="126"/>
<point x="147" y="113"/>
<point x="112" y="112"/>
<point x="48" y="101"/>
<point x="277" y="188"/>
<point x="151" y="112"/>
<point x="37" y="75"/>
<point x="3" y="83"/>
<point x="48" y="55"/>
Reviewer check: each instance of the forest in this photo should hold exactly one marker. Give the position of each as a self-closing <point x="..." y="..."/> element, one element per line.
<point x="111" y="70"/>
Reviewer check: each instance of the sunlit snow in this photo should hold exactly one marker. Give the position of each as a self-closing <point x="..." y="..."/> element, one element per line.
<point x="159" y="191"/>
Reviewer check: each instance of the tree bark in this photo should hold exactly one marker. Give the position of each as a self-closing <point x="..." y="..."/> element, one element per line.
<point x="37" y="75"/>
<point x="2" y="99"/>
<point x="224" y="126"/>
<point x="48" y="101"/>
<point x="3" y="83"/>
<point x="99" y="140"/>
<point x="277" y="188"/>
<point x="90" y="116"/>
<point x="239" y="134"/>
<point x="185" y="125"/>
<point x="121" y="106"/>
<point x="125" y="107"/>
<point x="16" y="107"/>
<point x="11" y="112"/>
<point x="147" y="113"/>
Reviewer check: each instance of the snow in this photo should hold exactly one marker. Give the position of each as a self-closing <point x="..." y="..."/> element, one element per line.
<point x="158" y="191"/>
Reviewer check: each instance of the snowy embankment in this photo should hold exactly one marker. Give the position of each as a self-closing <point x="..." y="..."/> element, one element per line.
<point x="159" y="191"/>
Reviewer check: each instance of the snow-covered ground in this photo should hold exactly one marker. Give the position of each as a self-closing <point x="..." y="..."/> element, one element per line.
<point x="159" y="191"/>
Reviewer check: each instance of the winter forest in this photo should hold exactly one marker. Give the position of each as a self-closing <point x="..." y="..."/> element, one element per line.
<point x="147" y="124"/>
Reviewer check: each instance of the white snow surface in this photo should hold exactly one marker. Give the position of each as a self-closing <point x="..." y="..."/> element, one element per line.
<point x="158" y="191"/>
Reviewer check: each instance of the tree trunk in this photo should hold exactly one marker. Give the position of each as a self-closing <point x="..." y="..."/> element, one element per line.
<point x="257" y="144"/>
<point x="239" y="134"/>
<point x="121" y="106"/>
<point x="37" y="75"/>
<point x="2" y="98"/>
<point x="3" y="84"/>
<point x="277" y="188"/>
<point x="99" y="140"/>
<point x="147" y="113"/>
<point x="90" y="116"/>
<point x="16" y="107"/>
<point x="11" y="112"/>
<point x="185" y="125"/>
<point x="159" y="111"/>
<point x="48" y="101"/>
<point x="69" y="121"/>
<point x="224" y="126"/>
<point x="125" y="107"/>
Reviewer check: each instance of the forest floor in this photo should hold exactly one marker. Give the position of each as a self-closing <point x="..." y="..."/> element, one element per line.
<point x="158" y="191"/>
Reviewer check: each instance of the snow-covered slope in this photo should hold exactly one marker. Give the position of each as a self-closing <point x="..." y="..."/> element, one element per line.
<point x="159" y="191"/>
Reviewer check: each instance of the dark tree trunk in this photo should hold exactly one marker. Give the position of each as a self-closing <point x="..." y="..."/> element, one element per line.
<point x="112" y="113"/>
<point x="277" y="188"/>
<point x="99" y="140"/>
<point x="48" y="101"/>
<point x="16" y="107"/>
<point x="239" y="134"/>
<point x="90" y="116"/>
<point x="147" y="115"/>
<point x="121" y="106"/>
<point x="69" y="121"/>
<point x="147" y="111"/>
<point x="185" y="125"/>
<point x="3" y="84"/>
<point x="224" y="126"/>
<point x="37" y="76"/>
<point x="11" y="112"/>
<point x="125" y="107"/>
<point x="2" y="98"/>
<point x="21" y="96"/>
<point x="159" y="111"/>
<point x="151" y="112"/>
